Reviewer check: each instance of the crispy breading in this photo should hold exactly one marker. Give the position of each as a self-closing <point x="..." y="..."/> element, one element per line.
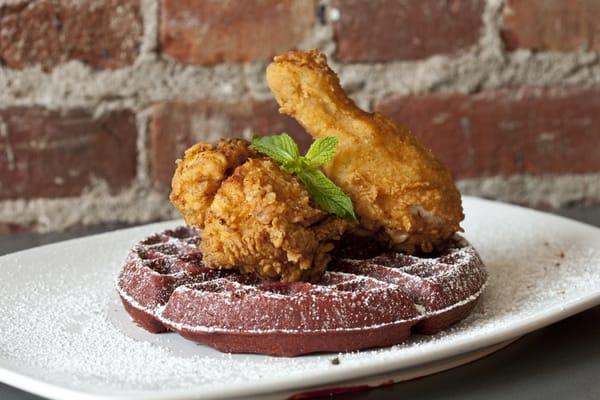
<point x="263" y="221"/>
<point x="199" y="175"/>
<point x="255" y="217"/>
<point x="401" y="192"/>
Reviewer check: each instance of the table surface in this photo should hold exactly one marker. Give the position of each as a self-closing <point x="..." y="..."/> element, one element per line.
<point x="559" y="361"/>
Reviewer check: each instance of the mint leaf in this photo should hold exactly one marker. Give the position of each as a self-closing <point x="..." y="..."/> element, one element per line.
<point x="321" y="151"/>
<point x="326" y="194"/>
<point x="280" y="148"/>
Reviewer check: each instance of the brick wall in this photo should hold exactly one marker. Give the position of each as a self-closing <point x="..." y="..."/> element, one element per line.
<point x="98" y="98"/>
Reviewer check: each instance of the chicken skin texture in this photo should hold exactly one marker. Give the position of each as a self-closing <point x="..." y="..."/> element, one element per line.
<point x="401" y="193"/>
<point x="199" y="175"/>
<point x="263" y="221"/>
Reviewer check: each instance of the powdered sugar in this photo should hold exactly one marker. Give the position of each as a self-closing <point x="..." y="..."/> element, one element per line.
<point x="54" y="325"/>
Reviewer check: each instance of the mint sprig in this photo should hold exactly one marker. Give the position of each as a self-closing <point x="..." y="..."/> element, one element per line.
<point x="321" y="151"/>
<point x="280" y="148"/>
<point x="325" y="193"/>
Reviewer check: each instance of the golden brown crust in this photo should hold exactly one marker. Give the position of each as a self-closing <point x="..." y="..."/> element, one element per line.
<point x="400" y="191"/>
<point x="262" y="221"/>
<point x="199" y="175"/>
<point x="256" y="217"/>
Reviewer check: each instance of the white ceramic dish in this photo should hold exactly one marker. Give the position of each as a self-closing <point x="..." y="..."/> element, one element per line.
<point x="63" y="336"/>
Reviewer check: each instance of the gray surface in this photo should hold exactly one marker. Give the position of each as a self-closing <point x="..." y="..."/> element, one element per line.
<point x="560" y="361"/>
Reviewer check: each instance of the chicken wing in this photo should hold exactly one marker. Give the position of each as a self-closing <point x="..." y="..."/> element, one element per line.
<point x="401" y="192"/>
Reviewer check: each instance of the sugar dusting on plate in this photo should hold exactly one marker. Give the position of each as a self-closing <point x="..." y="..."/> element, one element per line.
<point x="55" y="326"/>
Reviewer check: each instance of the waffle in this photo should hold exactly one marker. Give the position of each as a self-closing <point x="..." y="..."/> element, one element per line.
<point x="368" y="298"/>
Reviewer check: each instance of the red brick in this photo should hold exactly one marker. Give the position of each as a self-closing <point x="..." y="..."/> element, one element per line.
<point x="552" y="24"/>
<point x="56" y="154"/>
<point x="503" y="132"/>
<point x="386" y="30"/>
<point x="101" y="33"/>
<point x="9" y="228"/>
<point x="214" y="31"/>
<point x="176" y="126"/>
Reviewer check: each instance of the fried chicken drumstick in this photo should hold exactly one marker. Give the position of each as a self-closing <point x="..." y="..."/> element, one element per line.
<point x="401" y="192"/>
<point x="255" y="217"/>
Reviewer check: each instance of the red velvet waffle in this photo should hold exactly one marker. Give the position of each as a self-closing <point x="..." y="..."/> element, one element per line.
<point x="368" y="298"/>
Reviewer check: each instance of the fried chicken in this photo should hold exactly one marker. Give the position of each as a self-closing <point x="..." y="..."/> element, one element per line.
<point x="262" y="220"/>
<point x="255" y="217"/>
<point x="401" y="193"/>
<point x="200" y="174"/>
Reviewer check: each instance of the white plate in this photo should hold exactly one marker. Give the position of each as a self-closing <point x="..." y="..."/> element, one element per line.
<point x="62" y="335"/>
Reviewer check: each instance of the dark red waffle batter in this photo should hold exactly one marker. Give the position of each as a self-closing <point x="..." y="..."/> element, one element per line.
<point x="368" y="298"/>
